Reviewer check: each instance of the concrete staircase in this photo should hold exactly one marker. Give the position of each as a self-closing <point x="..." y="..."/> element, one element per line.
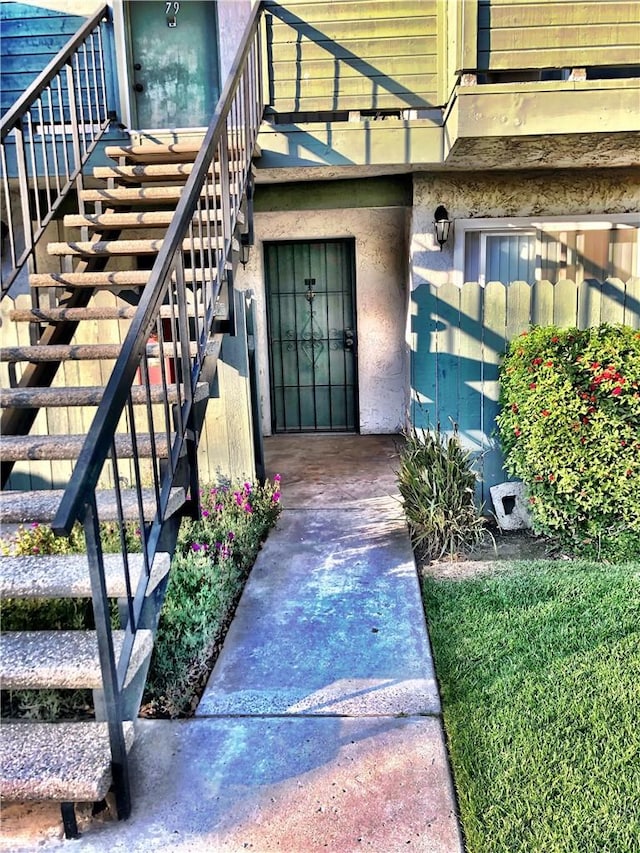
<point x="71" y="761"/>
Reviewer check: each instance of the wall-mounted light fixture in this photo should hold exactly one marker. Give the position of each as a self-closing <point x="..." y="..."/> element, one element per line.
<point x="245" y="249"/>
<point x="442" y="225"/>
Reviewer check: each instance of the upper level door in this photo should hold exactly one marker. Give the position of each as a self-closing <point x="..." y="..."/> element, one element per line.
<point x="173" y="55"/>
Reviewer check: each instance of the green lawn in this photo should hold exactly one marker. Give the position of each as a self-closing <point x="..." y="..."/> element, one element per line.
<point x="539" y="670"/>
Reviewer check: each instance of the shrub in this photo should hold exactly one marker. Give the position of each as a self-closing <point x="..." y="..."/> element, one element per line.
<point x="437" y="487"/>
<point x="570" y="429"/>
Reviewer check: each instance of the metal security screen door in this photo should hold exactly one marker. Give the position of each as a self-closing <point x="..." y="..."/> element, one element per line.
<point x="312" y="336"/>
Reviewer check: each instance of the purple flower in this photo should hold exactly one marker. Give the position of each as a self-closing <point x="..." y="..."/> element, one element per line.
<point x="219" y="507"/>
<point x="205" y="513"/>
<point x="247" y="507"/>
<point x="231" y="536"/>
<point x="247" y="488"/>
<point x="275" y="497"/>
<point x="277" y="478"/>
<point x="196" y="546"/>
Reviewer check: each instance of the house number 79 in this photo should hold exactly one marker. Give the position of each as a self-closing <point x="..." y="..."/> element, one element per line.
<point x="171" y="10"/>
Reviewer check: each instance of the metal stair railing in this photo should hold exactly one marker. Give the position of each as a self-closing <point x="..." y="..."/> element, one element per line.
<point x="180" y="311"/>
<point x="47" y="136"/>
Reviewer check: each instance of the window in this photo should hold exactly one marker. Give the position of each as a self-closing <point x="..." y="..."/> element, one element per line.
<point x="527" y="250"/>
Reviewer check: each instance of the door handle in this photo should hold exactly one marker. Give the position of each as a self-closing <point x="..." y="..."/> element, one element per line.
<point x="139" y="87"/>
<point x="350" y="339"/>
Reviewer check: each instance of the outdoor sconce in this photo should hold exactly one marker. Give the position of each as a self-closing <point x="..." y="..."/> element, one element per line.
<point x="245" y="248"/>
<point x="442" y="225"/>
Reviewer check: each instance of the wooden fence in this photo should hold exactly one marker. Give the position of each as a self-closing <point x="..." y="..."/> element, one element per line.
<point x="460" y="334"/>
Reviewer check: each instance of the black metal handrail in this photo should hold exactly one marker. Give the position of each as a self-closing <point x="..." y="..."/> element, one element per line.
<point x="47" y="136"/>
<point x="175" y="324"/>
<point x="96" y="447"/>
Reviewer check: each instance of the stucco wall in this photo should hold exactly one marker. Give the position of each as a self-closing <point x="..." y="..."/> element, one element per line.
<point x="381" y="299"/>
<point x="506" y="194"/>
<point x="232" y="19"/>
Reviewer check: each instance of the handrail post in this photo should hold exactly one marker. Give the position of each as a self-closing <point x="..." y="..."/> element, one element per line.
<point x="110" y="681"/>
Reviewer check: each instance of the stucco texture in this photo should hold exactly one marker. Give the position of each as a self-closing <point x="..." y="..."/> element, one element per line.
<point x="381" y="302"/>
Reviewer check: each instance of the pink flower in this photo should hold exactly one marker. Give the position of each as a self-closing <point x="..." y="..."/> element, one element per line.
<point x="276" y="497"/>
<point x="616" y="391"/>
<point x="277" y="478"/>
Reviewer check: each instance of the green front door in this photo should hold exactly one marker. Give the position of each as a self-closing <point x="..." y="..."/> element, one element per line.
<point x="312" y="336"/>
<point x="173" y="56"/>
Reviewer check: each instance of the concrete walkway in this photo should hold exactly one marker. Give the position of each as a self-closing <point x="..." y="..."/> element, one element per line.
<point x="320" y="727"/>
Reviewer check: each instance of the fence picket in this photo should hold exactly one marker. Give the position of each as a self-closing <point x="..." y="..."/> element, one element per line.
<point x="493" y="348"/>
<point x="565" y="303"/>
<point x="423" y="367"/>
<point x="589" y="304"/>
<point x="613" y="299"/>
<point x="470" y="374"/>
<point x="518" y="308"/>
<point x="542" y="303"/>
<point x="632" y="303"/>
<point x="448" y="352"/>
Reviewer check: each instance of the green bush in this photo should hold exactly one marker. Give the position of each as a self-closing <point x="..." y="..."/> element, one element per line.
<point x="437" y="487"/>
<point x="570" y="429"/>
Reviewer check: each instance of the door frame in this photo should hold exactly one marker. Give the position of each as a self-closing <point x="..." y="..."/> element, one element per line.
<point x="350" y="242"/>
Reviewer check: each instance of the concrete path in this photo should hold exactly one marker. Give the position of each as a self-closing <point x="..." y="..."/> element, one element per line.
<point x="320" y="727"/>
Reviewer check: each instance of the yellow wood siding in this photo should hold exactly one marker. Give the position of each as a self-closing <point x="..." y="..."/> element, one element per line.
<point x="342" y="56"/>
<point x="546" y="34"/>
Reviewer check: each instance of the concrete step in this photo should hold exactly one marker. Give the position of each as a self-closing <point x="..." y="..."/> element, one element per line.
<point x="38" y="448"/>
<point x="136" y="219"/>
<point x="102" y="248"/>
<point x="62" y="660"/>
<point x="70" y="762"/>
<point x="77" y="352"/>
<point x="90" y="395"/>
<point x="77" y="315"/>
<point x="113" y="280"/>
<point x="145" y="172"/>
<point x="153" y="152"/>
<point x="18" y="507"/>
<point x="67" y="575"/>
<point x="142" y="195"/>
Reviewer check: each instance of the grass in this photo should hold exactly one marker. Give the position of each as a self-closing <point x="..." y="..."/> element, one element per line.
<point x="539" y="670"/>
